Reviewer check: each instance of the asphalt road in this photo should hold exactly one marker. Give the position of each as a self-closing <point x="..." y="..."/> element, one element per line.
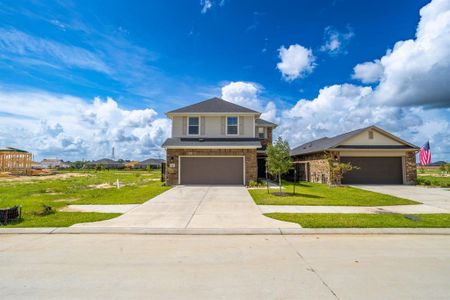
<point x="91" y="266"/>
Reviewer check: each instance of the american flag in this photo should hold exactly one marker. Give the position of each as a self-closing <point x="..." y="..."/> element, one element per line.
<point x="425" y="154"/>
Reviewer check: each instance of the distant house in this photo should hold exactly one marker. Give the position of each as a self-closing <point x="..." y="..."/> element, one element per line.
<point x="131" y="164"/>
<point x="154" y="163"/>
<point x="15" y="160"/>
<point x="53" y="164"/>
<point x="106" y="163"/>
<point x="435" y="164"/>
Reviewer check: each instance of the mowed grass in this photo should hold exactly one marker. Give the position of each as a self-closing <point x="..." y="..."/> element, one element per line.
<point x="439" y="181"/>
<point x="137" y="187"/>
<point x="308" y="193"/>
<point x="364" y="220"/>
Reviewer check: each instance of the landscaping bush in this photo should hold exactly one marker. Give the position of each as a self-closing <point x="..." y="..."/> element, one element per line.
<point x="44" y="211"/>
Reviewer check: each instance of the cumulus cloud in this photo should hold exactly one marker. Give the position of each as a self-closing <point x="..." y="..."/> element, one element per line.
<point x="368" y="72"/>
<point x="296" y="61"/>
<point x="336" y="41"/>
<point x="342" y="108"/>
<point x="51" y="125"/>
<point x="416" y="71"/>
<point x="247" y="94"/>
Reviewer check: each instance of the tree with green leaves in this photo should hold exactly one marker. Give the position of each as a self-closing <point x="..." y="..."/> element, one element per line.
<point x="279" y="158"/>
<point x="338" y="169"/>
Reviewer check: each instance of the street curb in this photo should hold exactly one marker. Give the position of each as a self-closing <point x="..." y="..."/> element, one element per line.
<point x="226" y="231"/>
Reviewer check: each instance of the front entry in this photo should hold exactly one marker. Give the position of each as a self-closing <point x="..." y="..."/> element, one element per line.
<point x="212" y="170"/>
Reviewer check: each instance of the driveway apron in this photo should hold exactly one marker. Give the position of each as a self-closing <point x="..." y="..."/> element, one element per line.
<point x="196" y="207"/>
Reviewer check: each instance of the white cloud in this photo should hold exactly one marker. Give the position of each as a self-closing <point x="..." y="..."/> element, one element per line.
<point x="296" y="61"/>
<point x="342" y="108"/>
<point x="335" y="41"/>
<point x="247" y="94"/>
<point x="417" y="71"/>
<point x="368" y="72"/>
<point x="20" y="47"/>
<point x="51" y="125"/>
<point x="206" y="5"/>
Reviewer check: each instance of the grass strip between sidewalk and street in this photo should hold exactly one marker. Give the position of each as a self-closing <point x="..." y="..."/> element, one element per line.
<point x="334" y="220"/>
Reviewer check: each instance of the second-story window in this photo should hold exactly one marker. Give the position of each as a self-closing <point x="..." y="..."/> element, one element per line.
<point x="193" y="125"/>
<point x="232" y="125"/>
<point x="261" y="134"/>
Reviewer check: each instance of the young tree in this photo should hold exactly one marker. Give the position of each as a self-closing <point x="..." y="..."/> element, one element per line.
<point x="338" y="169"/>
<point x="278" y="158"/>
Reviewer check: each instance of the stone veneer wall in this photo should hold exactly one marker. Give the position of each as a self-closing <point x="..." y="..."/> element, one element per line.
<point x="173" y="154"/>
<point x="318" y="167"/>
<point x="410" y="167"/>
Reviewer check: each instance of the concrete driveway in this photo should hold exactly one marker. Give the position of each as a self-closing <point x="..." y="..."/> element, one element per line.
<point x="437" y="197"/>
<point x="205" y="207"/>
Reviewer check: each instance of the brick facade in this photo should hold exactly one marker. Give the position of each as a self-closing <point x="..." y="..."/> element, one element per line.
<point x="173" y="154"/>
<point x="410" y="168"/>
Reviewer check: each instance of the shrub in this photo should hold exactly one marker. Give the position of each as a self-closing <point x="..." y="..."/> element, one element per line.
<point x="44" y="211"/>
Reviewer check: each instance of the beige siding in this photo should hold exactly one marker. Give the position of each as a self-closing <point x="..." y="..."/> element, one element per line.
<point x="212" y="126"/>
<point x="369" y="153"/>
<point x="177" y="126"/>
<point x="378" y="139"/>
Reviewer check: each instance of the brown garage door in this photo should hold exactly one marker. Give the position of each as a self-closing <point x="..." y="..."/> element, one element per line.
<point x="374" y="170"/>
<point x="211" y="170"/>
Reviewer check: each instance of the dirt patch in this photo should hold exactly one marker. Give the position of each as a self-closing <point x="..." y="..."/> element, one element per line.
<point x="101" y="186"/>
<point x="67" y="200"/>
<point x="33" y="178"/>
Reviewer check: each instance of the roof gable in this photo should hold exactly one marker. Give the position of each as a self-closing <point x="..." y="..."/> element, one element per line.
<point x="349" y="139"/>
<point x="213" y="105"/>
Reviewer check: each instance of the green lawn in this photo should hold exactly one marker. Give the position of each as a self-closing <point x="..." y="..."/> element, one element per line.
<point x="308" y="193"/>
<point x="137" y="187"/>
<point x="434" y="181"/>
<point x="363" y="220"/>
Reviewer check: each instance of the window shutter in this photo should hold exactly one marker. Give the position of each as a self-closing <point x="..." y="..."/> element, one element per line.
<point x="202" y="125"/>
<point x="184" y="126"/>
<point x="241" y="125"/>
<point x="222" y="125"/>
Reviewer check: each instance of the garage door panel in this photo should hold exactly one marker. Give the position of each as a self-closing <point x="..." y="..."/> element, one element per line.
<point x="211" y="170"/>
<point x="374" y="170"/>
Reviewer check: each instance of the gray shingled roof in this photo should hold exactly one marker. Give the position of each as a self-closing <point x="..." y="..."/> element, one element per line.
<point x="213" y="105"/>
<point x="262" y="122"/>
<point x="152" y="161"/>
<point x="326" y="143"/>
<point x="212" y="142"/>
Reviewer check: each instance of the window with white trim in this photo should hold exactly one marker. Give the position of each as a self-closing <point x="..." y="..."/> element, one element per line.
<point x="232" y="125"/>
<point x="193" y="125"/>
<point x="261" y="133"/>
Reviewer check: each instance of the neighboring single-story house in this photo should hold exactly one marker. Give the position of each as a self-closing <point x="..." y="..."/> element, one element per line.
<point x="382" y="158"/>
<point x="106" y="163"/>
<point x="50" y="163"/>
<point x="154" y="163"/>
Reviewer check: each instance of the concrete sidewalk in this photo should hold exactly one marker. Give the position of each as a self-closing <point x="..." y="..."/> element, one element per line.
<point x="396" y="209"/>
<point x="209" y="207"/>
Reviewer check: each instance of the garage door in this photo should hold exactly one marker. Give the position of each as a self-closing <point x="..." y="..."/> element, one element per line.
<point x="211" y="170"/>
<point x="374" y="170"/>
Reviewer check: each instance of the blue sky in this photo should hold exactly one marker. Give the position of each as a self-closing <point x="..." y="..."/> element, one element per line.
<point x="77" y="78"/>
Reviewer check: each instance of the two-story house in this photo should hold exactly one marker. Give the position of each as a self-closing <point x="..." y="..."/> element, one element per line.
<point x="216" y="142"/>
